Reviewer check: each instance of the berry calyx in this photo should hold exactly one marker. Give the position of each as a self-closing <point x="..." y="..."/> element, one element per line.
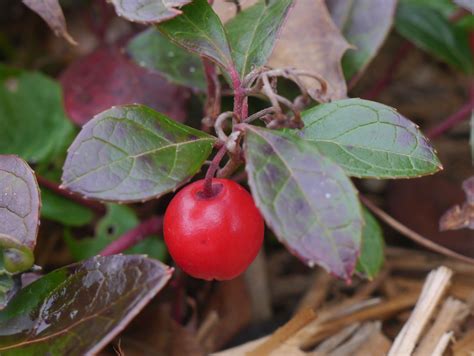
<point x="213" y="237"/>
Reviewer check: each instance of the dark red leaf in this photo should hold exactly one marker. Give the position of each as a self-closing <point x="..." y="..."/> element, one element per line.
<point x="107" y="77"/>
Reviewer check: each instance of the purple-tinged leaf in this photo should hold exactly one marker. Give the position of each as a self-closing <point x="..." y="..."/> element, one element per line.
<point x="365" y="24"/>
<point x="200" y="30"/>
<point x="106" y="77"/>
<point x="19" y="201"/>
<point x="51" y="12"/>
<point x="368" y="139"/>
<point x="132" y="153"/>
<point x="148" y="11"/>
<point x="80" y="308"/>
<point x="305" y="198"/>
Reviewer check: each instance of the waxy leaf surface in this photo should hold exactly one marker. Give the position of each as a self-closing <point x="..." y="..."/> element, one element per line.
<point x="79" y="309"/>
<point x="132" y="153"/>
<point x="253" y="32"/>
<point x="369" y="139"/>
<point x="200" y="30"/>
<point x="305" y="198"/>
<point x="372" y="249"/>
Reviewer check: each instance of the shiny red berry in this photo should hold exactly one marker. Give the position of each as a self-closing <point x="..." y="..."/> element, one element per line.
<point x="213" y="237"/>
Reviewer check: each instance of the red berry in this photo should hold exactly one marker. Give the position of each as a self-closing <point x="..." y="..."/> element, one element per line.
<point x="216" y="237"/>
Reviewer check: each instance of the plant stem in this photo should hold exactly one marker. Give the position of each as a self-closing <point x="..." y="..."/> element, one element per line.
<point x="211" y="171"/>
<point x="54" y="187"/>
<point x="451" y="121"/>
<point x="387" y="78"/>
<point x="412" y="235"/>
<point x="148" y="227"/>
<point x="240" y="101"/>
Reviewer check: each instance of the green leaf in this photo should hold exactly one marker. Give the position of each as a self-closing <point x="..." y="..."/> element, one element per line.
<point x="118" y="220"/>
<point x="372" y="251"/>
<point x="253" y="32"/>
<point x="132" y="153"/>
<point x="200" y="30"/>
<point x="79" y="309"/>
<point x="7" y="284"/>
<point x="57" y="208"/>
<point x="368" y="139"/>
<point x="148" y="11"/>
<point x="365" y="24"/>
<point x="154" y="51"/>
<point x="306" y="199"/>
<point x="32" y="120"/>
<point x="429" y="30"/>
<point x="445" y="7"/>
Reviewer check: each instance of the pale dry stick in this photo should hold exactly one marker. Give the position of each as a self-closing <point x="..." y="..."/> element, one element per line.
<point x="317" y="330"/>
<point x="335" y="340"/>
<point x="317" y="293"/>
<point x="284" y="333"/>
<point x="452" y="314"/>
<point x="442" y="344"/>
<point x="436" y="284"/>
<point x="361" y="336"/>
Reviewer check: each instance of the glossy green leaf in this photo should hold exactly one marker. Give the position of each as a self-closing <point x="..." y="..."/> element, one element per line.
<point x="132" y="153"/>
<point x="368" y="139"/>
<point x="372" y="250"/>
<point x="118" y="220"/>
<point x="62" y="210"/>
<point x="445" y="7"/>
<point x="154" y="51"/>
<point x="305" y="198"/>
<point x="431" y="31"/>
<point x="200" y="30"/>
<point x="32" y="120"/>
<point x="365" y="24"/>
<point x="19" y="213"/>
<point x="148" y="11"/>
<point x="79" y="309"/>
<point x="253" y="32"/>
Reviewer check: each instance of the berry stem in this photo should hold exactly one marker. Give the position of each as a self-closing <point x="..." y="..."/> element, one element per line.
<point x="211" y="172"/>
<point x="148" y="227"/>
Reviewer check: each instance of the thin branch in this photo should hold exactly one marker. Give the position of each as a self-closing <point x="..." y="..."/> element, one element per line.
<point x="54" y="187"/>
<point x="412" y="235"/>
<point x="387" y="78"/>
<point x="151" y="226"/>
<point x="451" y="121"/>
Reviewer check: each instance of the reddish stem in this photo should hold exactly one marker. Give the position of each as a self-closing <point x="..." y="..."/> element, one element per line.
<point x="451" y="121"/>
<point x="54" y="187"/>
<point x="211" y="172"/>
<point x="385" y="81"/>
<point x="240" y="105"/>
<point x="148" y="227"/>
